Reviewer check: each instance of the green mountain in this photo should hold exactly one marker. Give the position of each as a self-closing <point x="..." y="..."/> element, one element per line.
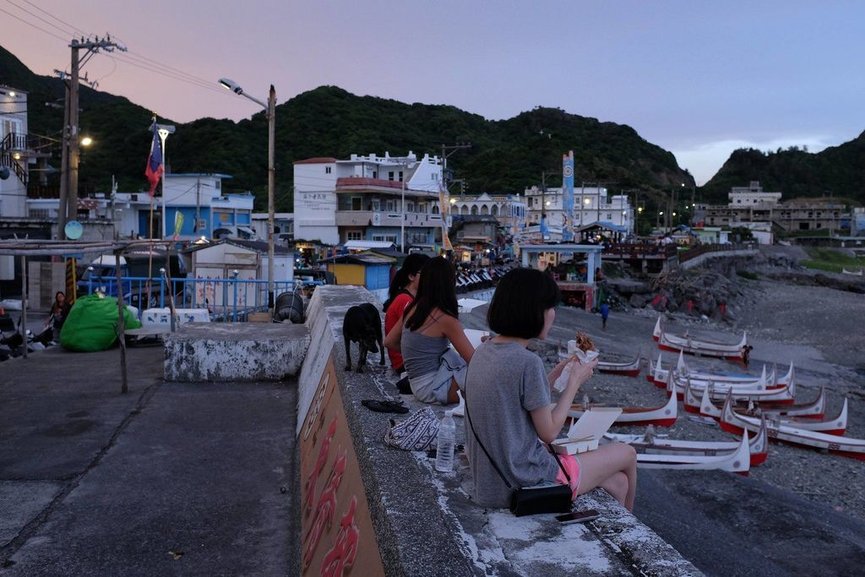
<point x="505" y="156"/>
<point x="836" y="171"/>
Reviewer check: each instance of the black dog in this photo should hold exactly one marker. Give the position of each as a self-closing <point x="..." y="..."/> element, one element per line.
<point x="362" y="324"/>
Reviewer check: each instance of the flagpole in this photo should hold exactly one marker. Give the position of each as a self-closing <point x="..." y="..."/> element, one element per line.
<point x="163" y="136"/>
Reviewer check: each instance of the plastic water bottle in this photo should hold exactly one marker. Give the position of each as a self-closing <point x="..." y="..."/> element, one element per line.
<point x="446" y="440"/>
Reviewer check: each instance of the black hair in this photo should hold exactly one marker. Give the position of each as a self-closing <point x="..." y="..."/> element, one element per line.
<point x="412" y="264"/>
<point x="437" y="289"/>
<point x="522" y="297"/>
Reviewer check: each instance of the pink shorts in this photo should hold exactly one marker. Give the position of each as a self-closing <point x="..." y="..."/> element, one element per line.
<point x="572" y="466"/>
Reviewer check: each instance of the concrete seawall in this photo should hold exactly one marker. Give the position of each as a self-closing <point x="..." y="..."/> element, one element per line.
<point x="386" y="511"/>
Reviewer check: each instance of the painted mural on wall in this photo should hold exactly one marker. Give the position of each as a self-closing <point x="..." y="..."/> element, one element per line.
<point x="337" y="537"/>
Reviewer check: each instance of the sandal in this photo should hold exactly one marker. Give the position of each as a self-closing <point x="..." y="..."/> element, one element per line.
<point x="384" y="406"/>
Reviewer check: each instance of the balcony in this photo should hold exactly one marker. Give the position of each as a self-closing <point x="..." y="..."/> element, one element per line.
<point x="384" y="218"/>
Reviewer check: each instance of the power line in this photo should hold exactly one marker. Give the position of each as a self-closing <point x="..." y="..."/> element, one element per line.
<point x="38" y="17"/>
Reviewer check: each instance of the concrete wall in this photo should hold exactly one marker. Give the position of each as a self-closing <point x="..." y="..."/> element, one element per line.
<point x="424" y="522"/>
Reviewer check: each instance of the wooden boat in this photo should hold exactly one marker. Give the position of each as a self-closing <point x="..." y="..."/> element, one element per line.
<point x="736" y="461"/>
<point x="847" y="446"/>
<point x="658" y="375"/>
<point x="850" y="272"/>
<point x="703" y="405"/>
<point x="835" y="426"/>
<point x="650" y="444"/>
<point x="658" y="334"/>
<point x="628" y="368"/>
<point x="688" y="345"/>
<point x="784" y="395"/>
<point x="663" y="416"/>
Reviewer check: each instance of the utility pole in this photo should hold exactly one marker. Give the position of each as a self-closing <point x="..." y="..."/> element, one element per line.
<point x="447" y="150"/>
<point x="70" y="156"/>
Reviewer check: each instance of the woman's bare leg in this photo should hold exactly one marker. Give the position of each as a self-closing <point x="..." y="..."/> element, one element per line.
<point x="612" y="467"/>
<point x="452" y="392"/>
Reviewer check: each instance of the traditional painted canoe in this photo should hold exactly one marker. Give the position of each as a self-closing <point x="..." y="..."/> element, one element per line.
<point x="687" y="345"/>
<point x="663" y="416"/>
<point x="784" y="395"/>
<point x="846" y="446"/>
<point x="651" y="444"/>
<point x="628" y="368"/>
<point x="659" y="334"/>
<point x="737" y="461"/>
<point x="658" y="374"/>
<point x="704" y="405"/>
<point x="834" y="426"/>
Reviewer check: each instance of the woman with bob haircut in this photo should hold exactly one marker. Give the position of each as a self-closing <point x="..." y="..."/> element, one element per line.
<point x="509" y="404"/>
<point x="435" y="371"/>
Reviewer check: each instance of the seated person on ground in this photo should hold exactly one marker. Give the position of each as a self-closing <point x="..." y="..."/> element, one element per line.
<point x="509" y="404"/>
<point x="431" y="324"/>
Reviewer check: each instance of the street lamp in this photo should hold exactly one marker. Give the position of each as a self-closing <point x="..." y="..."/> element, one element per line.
<point x="270" y="109"/>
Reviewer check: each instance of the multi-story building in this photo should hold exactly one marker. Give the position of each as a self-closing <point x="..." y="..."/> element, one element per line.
<point x="592" y="204"/>
<point x="382" y="198"/>
<point x="20" y="153"/>
<point x="751" y="204"/>
<point x="510" y="210"/>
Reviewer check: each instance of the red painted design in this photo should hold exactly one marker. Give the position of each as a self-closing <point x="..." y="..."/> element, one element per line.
<point x="344" y="551"/>
<point x="312" y="479"/>
<point x="325" y="509"/>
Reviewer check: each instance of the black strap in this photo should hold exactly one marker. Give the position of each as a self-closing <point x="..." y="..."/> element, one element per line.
<point x="493" y="463"/>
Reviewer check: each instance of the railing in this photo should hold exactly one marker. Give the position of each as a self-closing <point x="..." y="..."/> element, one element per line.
<point x="693" y="253"/>
<point x="640" y="250"/>
<point x="226" y="300"/>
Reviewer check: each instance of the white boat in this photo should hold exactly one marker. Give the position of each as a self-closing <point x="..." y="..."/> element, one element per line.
<point x="815" y="409"/>
<point x="850" y="272"/>
<point x="652" y="444"/>
<point x="834" y="426"/>
<point x="737" y="461"/>
<point x="658" y="374"/>
<point x="627" y="368"/>
<point x="847" y="446"/>
<point x="784" y="395"/>
<point x="663" y="416"/>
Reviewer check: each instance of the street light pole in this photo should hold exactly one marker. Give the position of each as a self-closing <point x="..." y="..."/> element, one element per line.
<point x="270" y="110"/>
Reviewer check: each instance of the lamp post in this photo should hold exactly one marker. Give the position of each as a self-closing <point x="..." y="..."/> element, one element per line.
<point x="270" y="109"/>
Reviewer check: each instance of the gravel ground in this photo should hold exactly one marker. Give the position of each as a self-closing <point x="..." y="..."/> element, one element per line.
<point x="819" y="329"/>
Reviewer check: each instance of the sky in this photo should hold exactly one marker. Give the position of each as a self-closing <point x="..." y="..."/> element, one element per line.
<point x="699" y="79"/>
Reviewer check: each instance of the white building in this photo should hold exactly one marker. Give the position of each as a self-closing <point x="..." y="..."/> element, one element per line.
<point x="752" y="195"/>
<point x="510" y="210"/>
<point x="387" y="198"/>
<point x="15" y="157"/>
<point x="591" y="205"/>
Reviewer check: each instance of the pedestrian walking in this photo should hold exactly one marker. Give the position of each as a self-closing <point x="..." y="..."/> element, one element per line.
<point x="605" y="313"/>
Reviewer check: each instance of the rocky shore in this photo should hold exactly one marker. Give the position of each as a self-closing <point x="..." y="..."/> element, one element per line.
<point x="817" y="327"/>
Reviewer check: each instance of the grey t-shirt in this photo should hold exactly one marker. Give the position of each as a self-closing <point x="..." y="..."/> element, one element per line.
<point x="505" y="381"/>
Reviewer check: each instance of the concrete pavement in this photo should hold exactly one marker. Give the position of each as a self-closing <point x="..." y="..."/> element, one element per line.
<point x="169" y="479"/>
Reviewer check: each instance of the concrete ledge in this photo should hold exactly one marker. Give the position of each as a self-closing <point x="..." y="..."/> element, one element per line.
<point x="199" y="352"/>
<point x="425" y="523"/>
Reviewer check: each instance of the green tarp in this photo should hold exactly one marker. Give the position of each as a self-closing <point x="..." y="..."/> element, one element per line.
<point x="92" y="324"/>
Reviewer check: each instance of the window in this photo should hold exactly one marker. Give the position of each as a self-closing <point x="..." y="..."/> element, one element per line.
<point x="384" y="237"/>
<point x="388" y="205"/>
<point x="327" y="169"/>
<point x="356" y="203"/>
<point x="409" y="207"/>
<point x="354" y="235"/>
<point x="390" y="175"/>
<point x="376" y="204"/>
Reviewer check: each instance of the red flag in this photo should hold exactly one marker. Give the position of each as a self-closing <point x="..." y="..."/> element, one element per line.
<point x="154" y="169"/>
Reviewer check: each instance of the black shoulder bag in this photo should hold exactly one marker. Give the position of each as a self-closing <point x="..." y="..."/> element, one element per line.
<point x="531" y="500"/>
